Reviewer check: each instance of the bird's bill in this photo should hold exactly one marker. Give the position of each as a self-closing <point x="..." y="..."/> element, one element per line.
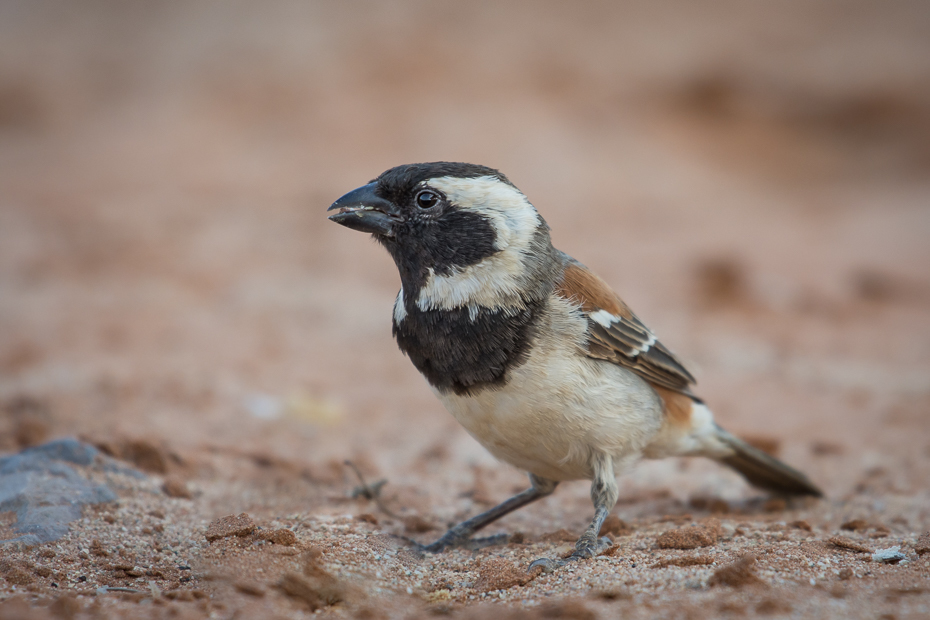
<point x="363" y="210"/>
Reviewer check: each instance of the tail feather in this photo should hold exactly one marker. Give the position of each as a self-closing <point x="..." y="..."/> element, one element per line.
<point x="763" y="470"/>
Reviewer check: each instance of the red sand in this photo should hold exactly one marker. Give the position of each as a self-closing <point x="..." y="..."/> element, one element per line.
<point x="753" y="179"/>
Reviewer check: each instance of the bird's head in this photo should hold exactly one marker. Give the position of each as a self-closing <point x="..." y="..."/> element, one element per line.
<point x="460" y="234"/>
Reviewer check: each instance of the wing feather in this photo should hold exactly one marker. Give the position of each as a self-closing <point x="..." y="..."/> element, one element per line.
<point x="617" y="335"/>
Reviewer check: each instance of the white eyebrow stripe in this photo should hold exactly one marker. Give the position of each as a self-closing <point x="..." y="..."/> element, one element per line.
<point x="513" y="217"/>
<point x="498" y="280"/>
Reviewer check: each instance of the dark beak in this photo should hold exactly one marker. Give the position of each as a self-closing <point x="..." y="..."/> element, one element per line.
<point x="363" y="210"/>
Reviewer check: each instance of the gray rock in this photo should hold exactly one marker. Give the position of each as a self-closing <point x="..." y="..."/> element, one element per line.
<point x="68" y="449"/>
<point x="45" y="492"/>
<point x="892" y="555"/>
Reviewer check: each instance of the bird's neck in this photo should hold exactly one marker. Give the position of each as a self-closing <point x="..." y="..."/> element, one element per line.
<point x="509" y="279"/>
<point x="468" y="349"/>
<point x="464" y="331"/>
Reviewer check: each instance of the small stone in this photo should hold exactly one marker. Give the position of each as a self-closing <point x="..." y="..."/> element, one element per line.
<point x="736" y="574"/>
<point x="175" y="487"/>
<point x="96" y="548"/>
<point x="846" y="574"/>
<point x="690" y="537"/>
<point x="892" y="555"/>
<point x="500" y="574"/>
<point x="282" y="537"/>
<point x="231" y="525"/>
<point x="847" y="543"/>
<point x="801" y="525"/>
<point x="855" y="525"/>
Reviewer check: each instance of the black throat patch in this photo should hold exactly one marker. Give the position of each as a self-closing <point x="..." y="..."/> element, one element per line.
<point x="458" y="353"/>
<point x="458" y="240"/>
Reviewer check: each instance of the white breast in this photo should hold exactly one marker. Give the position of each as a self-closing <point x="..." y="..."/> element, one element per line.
<point x="560" y="407"/>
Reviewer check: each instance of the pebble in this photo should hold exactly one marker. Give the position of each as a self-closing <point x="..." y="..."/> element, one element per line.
<point x="892" y="555"/>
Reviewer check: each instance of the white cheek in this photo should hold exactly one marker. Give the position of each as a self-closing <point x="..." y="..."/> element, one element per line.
<point x="495" y="281"/>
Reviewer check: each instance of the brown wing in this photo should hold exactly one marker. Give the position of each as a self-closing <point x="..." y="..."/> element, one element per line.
<point x="617" y="335"/>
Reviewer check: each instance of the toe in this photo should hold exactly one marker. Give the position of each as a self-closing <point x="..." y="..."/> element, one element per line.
<point x="436" y="547"/>
<point x="487" y="541"/>
<point x="548" y="565"/>
<point x="448" y="542"/>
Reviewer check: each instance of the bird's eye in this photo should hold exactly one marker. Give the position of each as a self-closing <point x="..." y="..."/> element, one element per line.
<point x="427" y="199"/>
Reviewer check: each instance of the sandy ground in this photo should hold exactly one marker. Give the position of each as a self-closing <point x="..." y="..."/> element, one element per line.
<point x="754" y="180"/>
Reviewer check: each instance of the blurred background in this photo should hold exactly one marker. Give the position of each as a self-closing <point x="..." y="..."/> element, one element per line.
<point x="754" y="178"/>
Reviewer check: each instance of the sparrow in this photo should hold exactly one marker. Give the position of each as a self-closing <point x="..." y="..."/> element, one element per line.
<point x="533" y="353"/>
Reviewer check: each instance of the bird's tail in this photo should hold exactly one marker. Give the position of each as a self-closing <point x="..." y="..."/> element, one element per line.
<point x="763" y="470"/>
<point x="690" y="430"/>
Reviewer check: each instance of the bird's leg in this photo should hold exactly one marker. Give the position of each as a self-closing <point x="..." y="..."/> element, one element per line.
<point x="604" y="496"/>
<point x="460" y="535"/>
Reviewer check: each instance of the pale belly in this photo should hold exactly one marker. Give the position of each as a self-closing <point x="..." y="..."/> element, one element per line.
<point x="559" y="410"/>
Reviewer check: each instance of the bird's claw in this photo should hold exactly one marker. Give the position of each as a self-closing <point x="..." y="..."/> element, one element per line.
<point x="588" y="548"/>
<point x="548" y="565"/>
<point x="584" y="550"/>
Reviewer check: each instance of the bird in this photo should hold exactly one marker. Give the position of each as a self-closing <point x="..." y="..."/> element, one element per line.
<point x="532" y="352"/>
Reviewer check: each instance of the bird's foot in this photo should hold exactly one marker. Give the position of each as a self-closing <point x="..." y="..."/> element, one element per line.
<point x="463" y="539"/>
<point x="586" y="548"/>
